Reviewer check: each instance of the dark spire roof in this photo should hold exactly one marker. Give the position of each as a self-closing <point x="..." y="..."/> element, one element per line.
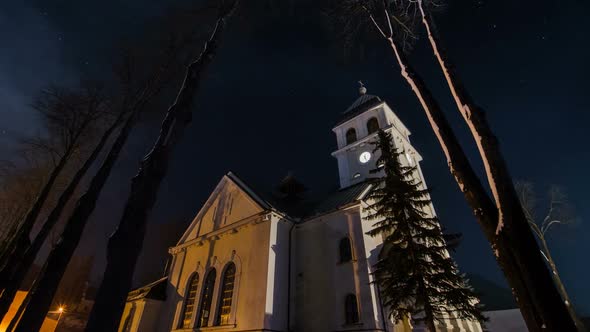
<point x="360" y="105"/>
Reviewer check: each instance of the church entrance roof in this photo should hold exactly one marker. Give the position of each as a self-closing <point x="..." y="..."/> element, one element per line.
<point x="155" y="290"/>
<point x="305" y="208"/>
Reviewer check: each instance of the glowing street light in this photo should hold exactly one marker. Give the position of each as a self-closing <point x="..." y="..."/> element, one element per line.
<point x="60" y="310"/>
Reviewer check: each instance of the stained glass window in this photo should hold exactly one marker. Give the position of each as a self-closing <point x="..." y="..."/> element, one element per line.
<point x="189" y="302"/>
<point x="227" y="292"/>
<point x="205" y="308"/>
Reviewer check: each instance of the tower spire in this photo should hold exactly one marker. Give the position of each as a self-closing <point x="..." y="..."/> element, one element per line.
<point x="362" y="89"/>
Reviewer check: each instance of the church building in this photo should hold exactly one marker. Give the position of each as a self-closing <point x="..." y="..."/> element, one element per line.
<point x="254" y="260"/>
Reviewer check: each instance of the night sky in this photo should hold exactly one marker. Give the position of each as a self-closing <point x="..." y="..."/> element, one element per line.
<point x="275" y="90"/>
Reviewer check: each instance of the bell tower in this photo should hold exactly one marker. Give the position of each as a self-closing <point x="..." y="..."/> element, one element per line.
<point x="357" y="128"/>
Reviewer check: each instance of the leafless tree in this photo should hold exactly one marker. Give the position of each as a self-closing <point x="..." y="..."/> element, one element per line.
<point x="151" y="72"/>
<point x="126" y="242"/>
<point x="501" y="218"/>
<point x="72" y="117"/>
<point x="20" y="181"/>
<point x="67" y="116"/>
<point x="497" y="173"/>
<point x="559" y="212"/>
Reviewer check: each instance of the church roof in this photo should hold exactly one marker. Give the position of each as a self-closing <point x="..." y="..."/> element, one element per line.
<point x="155" y="290"/>
<point x="360" y="105"/>
<point x="267" y="199"/>
<point x="304" y="208"/>
<point x="338" y="199"/>
<point x="262" y="200"/>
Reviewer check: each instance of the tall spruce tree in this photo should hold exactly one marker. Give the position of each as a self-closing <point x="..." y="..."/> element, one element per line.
<point x="416" y="276"/>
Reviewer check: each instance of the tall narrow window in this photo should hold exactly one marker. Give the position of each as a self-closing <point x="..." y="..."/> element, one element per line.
<point x="345" y="250"/>
<point x="227" y="292"/>
<point x="350" y="136"/>
<point x="372" y="125"/>
<point x="205" y="307"/>
<point x="189" y="302"/>
<point x="351" y="309"/>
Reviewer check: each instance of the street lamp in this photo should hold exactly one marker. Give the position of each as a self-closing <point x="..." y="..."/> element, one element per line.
<point x="60" y="310"/>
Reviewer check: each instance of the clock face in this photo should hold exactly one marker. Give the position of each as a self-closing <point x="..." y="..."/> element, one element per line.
<point x="365" y="157"/>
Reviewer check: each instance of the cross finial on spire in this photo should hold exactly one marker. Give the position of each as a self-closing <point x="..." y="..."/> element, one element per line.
<point x="362" y="89"/>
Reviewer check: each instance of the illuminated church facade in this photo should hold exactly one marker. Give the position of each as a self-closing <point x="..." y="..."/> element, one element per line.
<point x="252" y="261"/>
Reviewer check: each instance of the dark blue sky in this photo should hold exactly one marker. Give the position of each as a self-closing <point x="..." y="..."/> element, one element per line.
<point x="276" y="88"/>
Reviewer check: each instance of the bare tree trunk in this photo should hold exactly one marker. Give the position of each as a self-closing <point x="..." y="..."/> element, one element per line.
<point x="125" y="244"/>
<point x="553" y="313"/>
<point x="61" y="253"/>
<point x="465" y="176"/>
<point x="474" y="192"/>
<point x="561" y="286"/>
<point x="15" y="274"/>
<point x="19" y="312"/>
<point x="21" y="241"/>
<point x="21" y="308"/>
<point x="6" y="243"/>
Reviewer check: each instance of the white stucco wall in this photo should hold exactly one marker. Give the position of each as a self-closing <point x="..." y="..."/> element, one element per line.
<point x="321" y="282"/>
<point x="248" y="249"/>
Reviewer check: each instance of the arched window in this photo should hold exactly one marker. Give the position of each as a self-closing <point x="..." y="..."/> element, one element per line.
<point x="189" y="302"/>
<point x="372" y="125"/>
<point x="345" y="250"/>
<point x="351" y="309"/>
<point x="205" y="307"/>
<point x="227" y="292"/>
<point x="350" y="136"/>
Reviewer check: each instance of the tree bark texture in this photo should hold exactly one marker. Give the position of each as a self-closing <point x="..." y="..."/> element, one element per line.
<point x="61" y="253"/>
<point x="21" y="241"/>
<point x="551" y="311"/>
<point x="125" y="244"/>
<point x="474" y="192"/>
<point x="555" y="274"/>
<point x="15" y="274"/>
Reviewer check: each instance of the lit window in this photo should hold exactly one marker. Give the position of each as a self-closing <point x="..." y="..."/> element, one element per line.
<point x="351" y="309"/>
<point x="205" y="308"/>
<point x="345" y="250"/>
<point x="227" y="292"/>
<point x="372" y="125"/>
<point x="189" y="303"/>
<point x="350" y="136"/>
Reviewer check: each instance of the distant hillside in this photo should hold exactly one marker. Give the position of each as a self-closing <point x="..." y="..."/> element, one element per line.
<point x="492" y="295"/>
